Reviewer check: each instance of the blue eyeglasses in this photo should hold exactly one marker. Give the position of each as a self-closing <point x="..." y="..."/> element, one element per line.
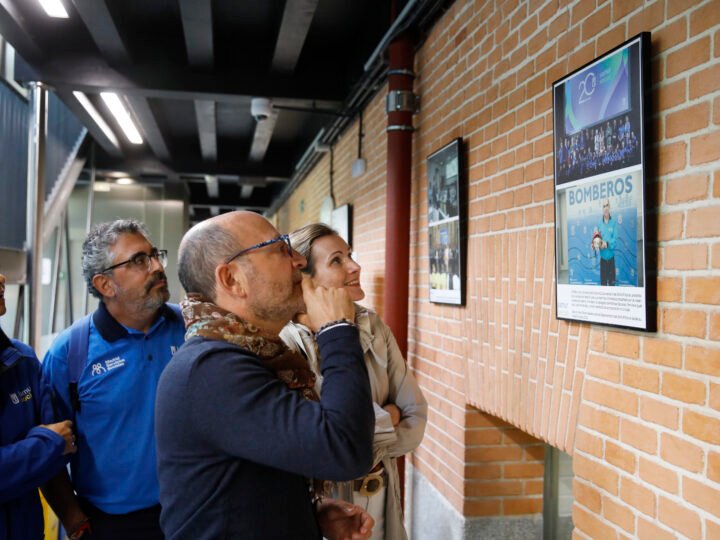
<point x="282" y="238"/>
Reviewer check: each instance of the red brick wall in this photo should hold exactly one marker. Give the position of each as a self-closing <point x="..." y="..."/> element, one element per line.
<point x="639" y="412"/>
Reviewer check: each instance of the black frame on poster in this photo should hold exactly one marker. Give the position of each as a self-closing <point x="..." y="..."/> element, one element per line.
<point x="601" y="117"/>
<point x="341" y="220"/>
<point x="447" y="224"/>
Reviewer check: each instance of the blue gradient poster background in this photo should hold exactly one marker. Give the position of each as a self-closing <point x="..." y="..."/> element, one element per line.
<point x="597" y="93"/>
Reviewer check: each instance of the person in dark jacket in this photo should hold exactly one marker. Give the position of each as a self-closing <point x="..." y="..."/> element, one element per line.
<point x="244" y="442"/>
<point x="33" y="447"/>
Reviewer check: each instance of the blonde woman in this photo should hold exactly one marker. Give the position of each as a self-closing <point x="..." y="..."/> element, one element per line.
<point x="400" y="408"/>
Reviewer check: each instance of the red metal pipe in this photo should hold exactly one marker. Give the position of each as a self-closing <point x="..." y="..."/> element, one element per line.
<point x="397" y="209"/>
<point x="397" y="220"/>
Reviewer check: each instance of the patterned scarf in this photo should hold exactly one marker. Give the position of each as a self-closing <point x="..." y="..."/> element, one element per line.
<point x="205" y="319"/>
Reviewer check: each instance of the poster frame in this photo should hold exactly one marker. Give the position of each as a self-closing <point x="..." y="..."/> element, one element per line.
<point x="447" y="219"/>
<point x="636" y="308"/>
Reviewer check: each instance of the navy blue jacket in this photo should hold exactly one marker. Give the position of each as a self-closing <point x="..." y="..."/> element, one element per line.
<point x="235" y="444"/>
<point x="29" y="455"/>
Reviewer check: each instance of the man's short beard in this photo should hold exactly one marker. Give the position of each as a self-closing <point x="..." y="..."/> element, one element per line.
<point x="150" y="302"/>
<point x="153" y="302"/>
<point x="280" y="309"/>
<point x="270" y="313"/>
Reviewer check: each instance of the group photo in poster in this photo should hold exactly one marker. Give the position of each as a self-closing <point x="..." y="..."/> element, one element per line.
<point x="600" y="127"/>
<point x="443" y="201"/>
<point x="599" y="189"/>
<point x="444" y="260"/>
<point x="445" y="236"/>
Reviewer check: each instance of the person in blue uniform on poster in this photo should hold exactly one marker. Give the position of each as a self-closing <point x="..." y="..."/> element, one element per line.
<point x="608" y="235"/>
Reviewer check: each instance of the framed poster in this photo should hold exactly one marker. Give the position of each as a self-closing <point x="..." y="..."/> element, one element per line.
<point x="600" y="114"/>
<point x="341" y="221"/>
<point x="446" y="225"/>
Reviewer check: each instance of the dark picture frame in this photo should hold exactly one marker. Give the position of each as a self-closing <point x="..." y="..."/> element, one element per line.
<point x="341" y="221"/>
<point x="446" y="224"/>
<point x="600" y="136"/>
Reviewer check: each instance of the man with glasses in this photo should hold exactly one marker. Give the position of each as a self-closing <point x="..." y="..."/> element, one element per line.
<point x="244" y="441"/>
<point x="128" y="341"/>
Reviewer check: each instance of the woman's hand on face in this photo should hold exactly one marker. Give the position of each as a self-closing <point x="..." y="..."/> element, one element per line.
<point x="324" y="305"/>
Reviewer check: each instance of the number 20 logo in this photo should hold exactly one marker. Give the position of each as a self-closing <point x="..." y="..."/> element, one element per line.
<point x="586" y="87"/>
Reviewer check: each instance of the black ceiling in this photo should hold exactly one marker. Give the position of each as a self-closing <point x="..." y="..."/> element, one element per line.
<point x="188" y="71"/>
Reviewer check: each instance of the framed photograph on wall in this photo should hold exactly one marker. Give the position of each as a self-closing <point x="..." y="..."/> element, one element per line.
<point x="600" y="114"/>
<point x="341" y="221"/>
<point x="446" y="224"/>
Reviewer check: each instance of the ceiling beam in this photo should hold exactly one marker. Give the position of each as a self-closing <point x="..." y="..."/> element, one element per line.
<point x="242" y="181"/>
<point x="296" y="20"/>
<point x="93" y="75"/>
<point x="246" y="184"/>
<point x="242" y="170"/>
<point x="198" y="29"/>
<point x="15" y="29"/>
<point x="213" y="187"/>
<point x="231" y="207"/>
<point x="135" y="167"/>
<point x="207" y="133"/>
<point x="149" y="126"/>
<point x="261" y="138"/>
<point x="99" y="22"/>
<point x="227" y="197"/>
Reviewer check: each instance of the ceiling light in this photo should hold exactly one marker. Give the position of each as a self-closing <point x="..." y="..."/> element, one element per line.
<point x="54" y="8"/>
<point x="101" y="186"/>
<point x="122" y="116"/>
<point x="213" y="187"/>
<point x="125" y="181"/>
<point x="95" y="115"/>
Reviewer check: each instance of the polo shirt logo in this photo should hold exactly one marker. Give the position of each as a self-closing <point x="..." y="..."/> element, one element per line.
<point x="98" y="369"/>
<point x="21" y="396"/>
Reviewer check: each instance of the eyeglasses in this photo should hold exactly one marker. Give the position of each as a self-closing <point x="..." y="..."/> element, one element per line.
<point x="282" y="238"/>
<point x="142" y="260"/>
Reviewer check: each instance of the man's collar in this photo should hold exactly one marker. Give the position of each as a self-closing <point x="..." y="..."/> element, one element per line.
<point x="111" y="330"/>
<point x="169" y="313"/>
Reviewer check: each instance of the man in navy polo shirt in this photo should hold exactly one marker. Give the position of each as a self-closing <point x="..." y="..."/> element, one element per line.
<point x="33" y="447"/>
<point x="132" y="336"/>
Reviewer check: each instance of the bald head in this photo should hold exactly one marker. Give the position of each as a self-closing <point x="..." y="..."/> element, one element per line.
<point x="212" y="242"/>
